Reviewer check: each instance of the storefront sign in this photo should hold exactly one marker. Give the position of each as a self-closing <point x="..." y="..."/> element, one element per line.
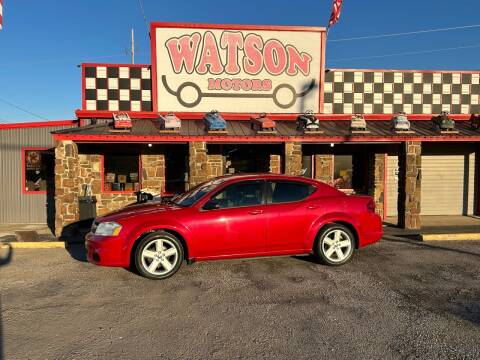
<point x="197" y="68"/>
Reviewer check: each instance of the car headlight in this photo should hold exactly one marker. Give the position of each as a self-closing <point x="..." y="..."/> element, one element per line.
<point x="110" y="228"/>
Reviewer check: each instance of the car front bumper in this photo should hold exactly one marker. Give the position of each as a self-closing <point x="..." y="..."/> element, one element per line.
<point x="106" y="250"/>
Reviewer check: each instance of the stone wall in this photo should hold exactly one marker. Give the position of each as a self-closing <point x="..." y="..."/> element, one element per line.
<point x="275" y="164"/>
<point x="410" y="183"/>
<point x="90" y="174"/>
<point x="324" y="168"/>
<point x="377" y="182"/>
<point x="66" y="184"/>
<point x="293" y="158"/>
<point x="153" y="172"/>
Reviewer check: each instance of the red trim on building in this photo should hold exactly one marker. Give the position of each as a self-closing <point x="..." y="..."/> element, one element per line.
<point x="234" y="27"/>
<point x="105" y="114"/>
<point x="408" y="71"/>
<point x="115" y="65"/>
<point x="262" y="139"/>
<point x="26" y="125"/>
<point x="24" y="178"/>
<point x="84" y="84"/>
<point x="385" y="174"/>
<point x="153" y="70"/>
<point x="246" y="116"/>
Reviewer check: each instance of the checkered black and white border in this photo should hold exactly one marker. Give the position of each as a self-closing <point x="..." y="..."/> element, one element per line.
<point x="370" y="92"/>
<point x="117" y="88"/>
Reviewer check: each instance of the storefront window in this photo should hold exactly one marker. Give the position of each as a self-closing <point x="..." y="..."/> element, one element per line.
<point x="342" y="173"/>
<point x="121" y="173"/>
<point x="34" y="173"/>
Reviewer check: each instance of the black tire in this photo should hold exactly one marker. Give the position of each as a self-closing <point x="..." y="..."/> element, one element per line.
<point x="321" y="248"/>
<point x="170" y="241"/>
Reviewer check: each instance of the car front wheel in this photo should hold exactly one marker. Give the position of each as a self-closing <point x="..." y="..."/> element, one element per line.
<point x="335" y="245"/>
<point x="159" y="255"/>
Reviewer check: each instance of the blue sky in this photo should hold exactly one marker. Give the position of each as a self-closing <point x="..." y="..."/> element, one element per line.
<point x="43" y="41"/>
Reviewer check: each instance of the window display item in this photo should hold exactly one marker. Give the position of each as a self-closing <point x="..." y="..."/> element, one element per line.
<point x="444" y="123"/>
<point x="262" y="123"/>
<point x="116" y="186"/>
<point x="400" y="123"/>
<point x="214" y="122"/>
<point x="134" y="176"/>
<point x="475" y="121"/>
<point x="308" y="122"/>
<point x="122" y="178"/>
<point x="110" y="177"/>
<point x="169" y="122"/>
<point x="358" y="123"/>
<point x="122" y="121"/>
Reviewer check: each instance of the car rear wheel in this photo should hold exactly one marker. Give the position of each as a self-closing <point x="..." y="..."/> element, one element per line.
<point x="335" y="245"/>
<point x="159" y="255"/>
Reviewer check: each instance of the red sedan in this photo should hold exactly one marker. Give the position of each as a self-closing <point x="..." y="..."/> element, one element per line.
<point x="236" y="216"/>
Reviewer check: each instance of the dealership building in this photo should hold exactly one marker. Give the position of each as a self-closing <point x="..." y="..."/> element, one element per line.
<point x="241" y="71"/>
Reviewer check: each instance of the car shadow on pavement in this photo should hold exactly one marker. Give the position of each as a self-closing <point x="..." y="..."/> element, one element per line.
<point x="6" y="254"/>
<point x="428" y="246"/>
<point x="74" y="237"/>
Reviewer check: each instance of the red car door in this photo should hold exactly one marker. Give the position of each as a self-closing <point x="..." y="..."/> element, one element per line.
<point x="289" y="215"/>
<point x="232" y="222"/>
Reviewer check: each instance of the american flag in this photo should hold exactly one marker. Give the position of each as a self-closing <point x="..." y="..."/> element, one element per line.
<point x="1" y="14"/>
<point x="336" y="11"/>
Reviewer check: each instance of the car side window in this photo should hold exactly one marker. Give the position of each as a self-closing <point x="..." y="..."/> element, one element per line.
<point x="248" y="193"/>
<point x="289" y="191"/>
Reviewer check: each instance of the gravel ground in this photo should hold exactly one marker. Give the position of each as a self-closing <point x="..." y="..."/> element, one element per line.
<point x="398" y="299"/>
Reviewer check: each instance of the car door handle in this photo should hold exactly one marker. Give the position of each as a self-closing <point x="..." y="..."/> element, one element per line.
<point x="255" y="212"/>
<point x="312" y="207"/>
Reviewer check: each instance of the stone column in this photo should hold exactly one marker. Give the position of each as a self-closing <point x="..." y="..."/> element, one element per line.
<point x="153" y="172"/>
<point x="377" y="182"/>
<point x="66" y="185"/>
<point x="410" y="185"/>
<point x="324" y="168"/>
<point x="293" y="158"/>
<point x="275" y="164"/>
<point x="197" y="162"/>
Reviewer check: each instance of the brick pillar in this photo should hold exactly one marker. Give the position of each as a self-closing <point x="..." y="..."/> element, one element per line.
<point x="377" y="182"/>
<point x="410" y="185"/>
<point x="275" y="164"/>
<point x="66" y="185"/>
<point x="324" y="168"/>
<point x="293" y="158"/>
<point x="153" y="172"/>
<point x="197" y="162"/>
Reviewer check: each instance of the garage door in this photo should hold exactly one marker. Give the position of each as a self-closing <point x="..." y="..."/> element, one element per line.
<point x="392" y="185"/>
<point x="448" y="184"/>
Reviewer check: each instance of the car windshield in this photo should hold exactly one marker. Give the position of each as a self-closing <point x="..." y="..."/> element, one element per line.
<point x="192" y="196"/>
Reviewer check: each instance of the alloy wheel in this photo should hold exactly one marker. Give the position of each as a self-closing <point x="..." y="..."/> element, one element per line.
<point x="159" y="256"/>
<point x="337" y="245"/>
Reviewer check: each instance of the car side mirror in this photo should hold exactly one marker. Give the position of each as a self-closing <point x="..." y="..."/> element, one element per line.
<point x="211" y="205"/>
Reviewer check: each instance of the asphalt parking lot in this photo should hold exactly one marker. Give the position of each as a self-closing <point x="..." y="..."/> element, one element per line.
<point x="396" y="299"/>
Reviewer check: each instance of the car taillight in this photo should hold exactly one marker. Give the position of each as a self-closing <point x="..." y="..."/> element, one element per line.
<point x="371" y="206"/>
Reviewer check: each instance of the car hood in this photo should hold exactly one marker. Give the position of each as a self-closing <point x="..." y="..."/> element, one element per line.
<point x="136" y="210"/>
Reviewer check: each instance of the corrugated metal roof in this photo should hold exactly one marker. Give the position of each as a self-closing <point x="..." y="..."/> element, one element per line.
<point x="240" y="128"/>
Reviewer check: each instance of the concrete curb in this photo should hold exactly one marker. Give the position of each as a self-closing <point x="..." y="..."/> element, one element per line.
<point x="34" y="245"/>
<point x="451" y="237"/>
